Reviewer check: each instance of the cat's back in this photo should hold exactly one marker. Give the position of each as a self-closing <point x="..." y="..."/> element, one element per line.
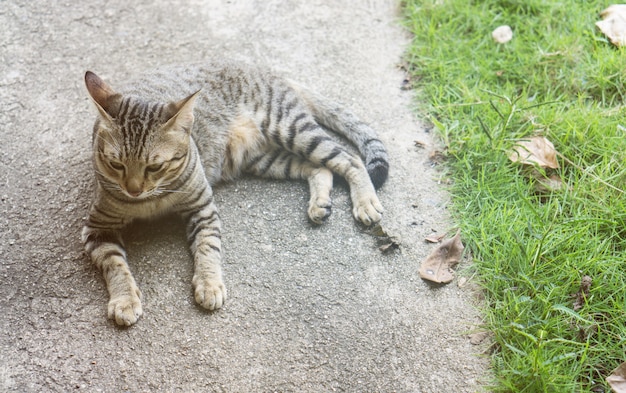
<point x="219" y="82"/>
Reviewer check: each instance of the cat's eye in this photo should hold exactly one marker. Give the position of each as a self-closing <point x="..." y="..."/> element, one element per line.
<point x="154" y="168"/>
<point x="118" y="166"/>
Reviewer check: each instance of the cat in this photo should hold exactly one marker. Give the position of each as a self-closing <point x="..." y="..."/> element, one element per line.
<point x="160" y="144"/>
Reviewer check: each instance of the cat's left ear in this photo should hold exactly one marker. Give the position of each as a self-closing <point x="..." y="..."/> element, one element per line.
<point x="181" y="113"/>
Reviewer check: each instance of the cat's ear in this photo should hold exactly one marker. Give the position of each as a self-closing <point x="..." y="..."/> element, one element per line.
<point x="181" y="113"/>
<point x="106" y="99"/>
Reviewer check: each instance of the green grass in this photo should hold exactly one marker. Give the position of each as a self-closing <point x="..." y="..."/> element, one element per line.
<point x="559" y="76"/>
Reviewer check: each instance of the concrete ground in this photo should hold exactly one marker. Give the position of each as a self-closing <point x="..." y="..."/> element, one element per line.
<point x="310" y="309"/>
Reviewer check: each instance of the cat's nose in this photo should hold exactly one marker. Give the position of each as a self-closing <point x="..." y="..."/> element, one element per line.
<point x="134" y="187"/>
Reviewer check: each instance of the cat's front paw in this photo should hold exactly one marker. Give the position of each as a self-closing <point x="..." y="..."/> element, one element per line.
<point x="125" y="309"/>
<point x="320" y="210"/>
<point x="210" y="293"/>
<point x="368" y="210"/>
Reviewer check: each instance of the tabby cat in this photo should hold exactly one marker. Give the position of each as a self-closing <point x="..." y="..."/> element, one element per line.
<point x="155" y="153"/>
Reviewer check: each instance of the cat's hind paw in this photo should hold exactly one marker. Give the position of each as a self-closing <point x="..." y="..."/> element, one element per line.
<point x="210" y="293"/>
<point x="125" y="309"/>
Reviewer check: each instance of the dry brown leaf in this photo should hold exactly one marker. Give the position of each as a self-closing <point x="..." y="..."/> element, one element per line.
<point x="583" y="292"/>
<point x="392" y="245"/>
<point x="478" y="337"/>
<point x="435" y="238"/>
<point x="437" y="157"/>
<point x="617" y="379"/>
<point x="548" y="184"/>
<point x="613" y="24"/>
<point x="537" y="150"/>
<point x="437" y="267"/>
<point x="420" y="144"/>
<point x="387" y="241"/>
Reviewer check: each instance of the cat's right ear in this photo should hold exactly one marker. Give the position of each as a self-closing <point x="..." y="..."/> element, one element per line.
<point x="106" y="99"/>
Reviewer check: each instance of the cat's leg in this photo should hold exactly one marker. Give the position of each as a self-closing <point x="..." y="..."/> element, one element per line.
<point x="311" y="141"/>
<point x="204" y="236"/>
<point x="365" y="204"/>
<point x="106" y="250"/>
<point x="282" y="164"/>
<point x="320" y="184"/>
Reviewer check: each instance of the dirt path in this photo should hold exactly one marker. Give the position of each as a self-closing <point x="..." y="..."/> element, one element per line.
<point x="310" y="309"/>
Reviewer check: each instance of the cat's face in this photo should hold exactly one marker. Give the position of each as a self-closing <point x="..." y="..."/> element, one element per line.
<point x="139" y="168"/>
<point x="140" y="148"/>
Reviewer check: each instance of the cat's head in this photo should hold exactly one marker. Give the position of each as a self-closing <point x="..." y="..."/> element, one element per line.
<point x="139" y="147"/>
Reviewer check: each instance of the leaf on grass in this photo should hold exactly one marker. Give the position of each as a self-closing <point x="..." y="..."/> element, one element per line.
<point x="534" y="152"/>
<point x="613" y="24"/>
<point x="617" y="379"/>
<point x="548" y="184"/>
<point x="537" y="150"/>
<point x="437" y="267"/>
<point x="583" y="293"/>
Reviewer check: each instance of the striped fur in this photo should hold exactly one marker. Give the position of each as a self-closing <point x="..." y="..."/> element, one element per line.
<point x="154" y="153"/>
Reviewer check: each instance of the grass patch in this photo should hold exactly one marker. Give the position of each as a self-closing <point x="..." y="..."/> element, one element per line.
<point x="561" y="77"/>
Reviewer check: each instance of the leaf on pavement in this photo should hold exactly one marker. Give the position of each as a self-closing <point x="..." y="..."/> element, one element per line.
<point x="387" y="241"/>
<point x="437" y="267"/>
<point x="435" y="238"/>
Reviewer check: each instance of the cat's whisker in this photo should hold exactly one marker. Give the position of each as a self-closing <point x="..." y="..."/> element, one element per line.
<point x="174" y="191"/>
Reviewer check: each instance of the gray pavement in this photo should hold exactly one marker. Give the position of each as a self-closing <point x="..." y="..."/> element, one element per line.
<point x="310" y="309"/>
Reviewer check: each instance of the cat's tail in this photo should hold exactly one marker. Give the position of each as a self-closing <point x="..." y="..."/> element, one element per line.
<point x="346" y="124"/>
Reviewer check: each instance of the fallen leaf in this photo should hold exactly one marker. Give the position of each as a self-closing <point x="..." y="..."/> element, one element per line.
<point x="437" y="157"/>
<point x="534" y="152"/>
<point x="392" y="245"/>
<point x="548" y="184"/>
<point x="478" y="337"/>
<point x="435" y="238"/>
<point x="387" y="242"/>
<point x="617" y="379"/>
<point x="420" y="144"/>
<point x="502" y="34"/>
<point x="537" y="150"/>
<point x="613" y="24"/>
<point x="583" y="292"/>
<point x="437" y="267"/>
